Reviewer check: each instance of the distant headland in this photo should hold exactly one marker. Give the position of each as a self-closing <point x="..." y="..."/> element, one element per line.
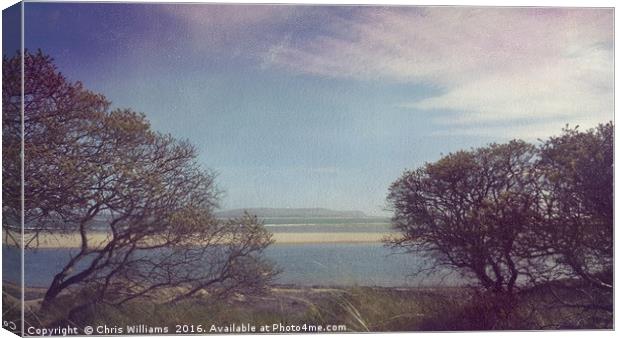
<point x="291" y="212"/>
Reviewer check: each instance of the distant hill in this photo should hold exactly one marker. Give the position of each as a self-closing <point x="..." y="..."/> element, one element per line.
<point x="290" y="212"/>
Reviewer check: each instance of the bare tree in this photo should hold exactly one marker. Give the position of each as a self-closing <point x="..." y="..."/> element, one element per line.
<point x="90" y="170"/>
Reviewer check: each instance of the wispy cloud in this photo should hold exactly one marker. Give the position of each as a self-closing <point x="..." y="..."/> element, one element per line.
<point x="237" y="29"/>
<point x="489" y="64"/>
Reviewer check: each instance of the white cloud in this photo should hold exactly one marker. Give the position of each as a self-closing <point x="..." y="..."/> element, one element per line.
<point x="574" y="88"/>
<point x="532" y="65"/>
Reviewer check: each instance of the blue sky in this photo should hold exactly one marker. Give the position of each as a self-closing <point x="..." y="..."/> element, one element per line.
<point x="313" y="106"/>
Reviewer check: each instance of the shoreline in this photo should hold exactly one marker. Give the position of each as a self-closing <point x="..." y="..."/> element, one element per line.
<point x="49" y="241"/>
<point x="35" y="293"/>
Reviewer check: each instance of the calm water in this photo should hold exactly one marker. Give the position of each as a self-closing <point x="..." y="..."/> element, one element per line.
<point x="316" y="264"/>
<point x="301" y="264"/>
<point x="326" y="224"/>
<point x="326" y="220"/>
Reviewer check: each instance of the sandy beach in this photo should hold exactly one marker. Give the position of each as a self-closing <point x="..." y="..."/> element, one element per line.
<point x="328" y="237"/>
<point x="96" y="239"/>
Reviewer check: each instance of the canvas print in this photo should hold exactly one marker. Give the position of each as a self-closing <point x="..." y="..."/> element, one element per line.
<point x="176" y="168"/>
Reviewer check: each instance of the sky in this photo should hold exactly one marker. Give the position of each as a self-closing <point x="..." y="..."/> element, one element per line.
<point x="326" y="106"/>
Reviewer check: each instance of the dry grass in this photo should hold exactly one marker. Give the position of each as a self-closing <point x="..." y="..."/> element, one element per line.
<point x="359" y="308"/>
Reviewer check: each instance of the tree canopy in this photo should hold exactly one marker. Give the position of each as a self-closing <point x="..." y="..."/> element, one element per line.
<point x="514" y="215"/>
<point x="578" y="221"/>
<point x="89" y="169"/>
<point x="468" y="209"/>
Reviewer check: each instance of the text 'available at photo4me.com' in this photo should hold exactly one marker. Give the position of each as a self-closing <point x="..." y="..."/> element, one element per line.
<point x="143" y="329"/>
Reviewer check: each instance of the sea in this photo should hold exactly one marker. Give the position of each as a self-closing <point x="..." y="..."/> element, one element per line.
<point x="307" y="264"/>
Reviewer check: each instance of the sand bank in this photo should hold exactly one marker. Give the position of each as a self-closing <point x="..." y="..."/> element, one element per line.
<point x="96" y="239"/>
